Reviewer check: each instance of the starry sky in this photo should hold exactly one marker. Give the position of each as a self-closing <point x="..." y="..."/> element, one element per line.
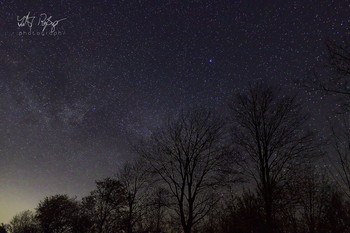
<point x="71" y="103"/>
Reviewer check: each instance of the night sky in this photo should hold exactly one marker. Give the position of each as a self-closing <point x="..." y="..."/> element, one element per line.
<point x="71" y="103"/>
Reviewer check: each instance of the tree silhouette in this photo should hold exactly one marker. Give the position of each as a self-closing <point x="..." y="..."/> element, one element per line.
<point x="336" y="80"/>
<point x="56" y="214"/>
<point x="157" y="206"/>
<point x="243" y="214"/>
<point x="337" y="83"/>
<point x="313" y="194"/>
<point x="336" y="214"/>
<point x="341" y="148"/>
<point x="24" y="222"/>
<point x="187" y="157"/>
<point x="105" y="206"/>
<point x="270" y="138"/>
<point x="133" y="176"/>
<point x="3" y="228"/>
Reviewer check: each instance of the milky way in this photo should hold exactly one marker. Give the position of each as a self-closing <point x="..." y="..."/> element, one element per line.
<point x="71" y="103"/>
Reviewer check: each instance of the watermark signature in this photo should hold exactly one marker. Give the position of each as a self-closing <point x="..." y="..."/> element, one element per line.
<point x="42" y="25"/>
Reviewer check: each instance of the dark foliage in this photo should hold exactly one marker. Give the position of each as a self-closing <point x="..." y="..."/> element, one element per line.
<point x="57" y="214"/>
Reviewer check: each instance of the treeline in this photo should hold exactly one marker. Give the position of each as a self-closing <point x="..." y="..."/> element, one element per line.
<point x="256" y="170"/>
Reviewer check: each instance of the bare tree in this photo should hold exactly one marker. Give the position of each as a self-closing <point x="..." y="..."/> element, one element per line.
<point x="313" y="195"/>
<point x="187" y="156"/>
<point x="105" y="206"/>
<point x="157" y="206"/>
<point x="335" y="79"/>
<point x="134" y="176"/>
<point x="270" y="138"/>
<point x="341" y="148"/>
<point x="337" y="83"/>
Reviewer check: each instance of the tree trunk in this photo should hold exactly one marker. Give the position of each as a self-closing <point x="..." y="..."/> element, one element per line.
<point x="129" y="223"/>
<point x="269" y="228"/>
<point x="187" y="229"/>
